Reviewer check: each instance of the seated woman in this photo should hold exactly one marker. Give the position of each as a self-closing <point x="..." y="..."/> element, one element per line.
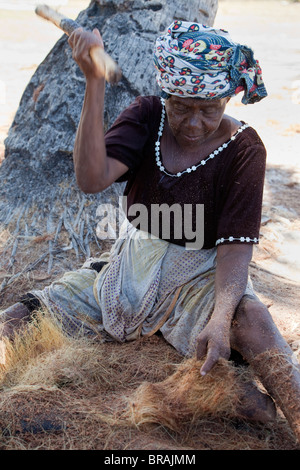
<point x="184" y="273"/>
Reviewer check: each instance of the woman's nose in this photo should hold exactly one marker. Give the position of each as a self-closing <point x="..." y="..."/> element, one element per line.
<point x="195" y="121"/>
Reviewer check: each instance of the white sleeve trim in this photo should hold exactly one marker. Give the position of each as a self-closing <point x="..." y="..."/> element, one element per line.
<point x="240" y="239"/>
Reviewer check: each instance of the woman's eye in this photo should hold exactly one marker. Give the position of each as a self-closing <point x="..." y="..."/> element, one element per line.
<point x="210" y="111"/>
<point x="180" y="109"/>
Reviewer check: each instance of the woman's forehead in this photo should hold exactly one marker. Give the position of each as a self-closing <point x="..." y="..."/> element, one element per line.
<point x="197" y="102"/>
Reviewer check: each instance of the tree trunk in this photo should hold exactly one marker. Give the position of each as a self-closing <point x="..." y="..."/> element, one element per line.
<point x="38" y="192"/>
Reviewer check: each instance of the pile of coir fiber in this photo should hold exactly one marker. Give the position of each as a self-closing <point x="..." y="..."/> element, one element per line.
<point x="62" y="393"/>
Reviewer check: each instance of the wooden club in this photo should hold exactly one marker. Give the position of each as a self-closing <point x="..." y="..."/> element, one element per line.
<point x="100" y="58"/>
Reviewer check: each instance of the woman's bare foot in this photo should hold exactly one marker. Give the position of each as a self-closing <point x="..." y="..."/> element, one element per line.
<point x="13" y="319"/>
<point x="255" y="405"/>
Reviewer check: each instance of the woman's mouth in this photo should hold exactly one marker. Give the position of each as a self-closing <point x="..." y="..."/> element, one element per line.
<point x="191" y="138"/>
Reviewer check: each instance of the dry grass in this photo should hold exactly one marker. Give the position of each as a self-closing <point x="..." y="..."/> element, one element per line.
<point x="65" y="393"/>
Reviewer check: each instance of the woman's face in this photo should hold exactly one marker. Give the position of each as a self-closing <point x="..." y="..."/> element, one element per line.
<point x="194" y="120"/>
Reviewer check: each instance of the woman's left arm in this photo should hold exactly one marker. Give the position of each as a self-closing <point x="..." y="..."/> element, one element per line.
<point x="230" y="284"/>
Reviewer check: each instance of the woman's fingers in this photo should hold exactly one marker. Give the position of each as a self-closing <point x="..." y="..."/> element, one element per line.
<point x="201" y="346"/>
<point x="212" y="357"/>
<point x="205" y="349"/>
<point x="73" y="36"/>
<point x="82" y="42"/>
<point x="96" y="32"/>
<point x="212" y="348"/>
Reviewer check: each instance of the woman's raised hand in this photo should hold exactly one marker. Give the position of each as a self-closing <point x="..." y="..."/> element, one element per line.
<point x="83" y="43"/>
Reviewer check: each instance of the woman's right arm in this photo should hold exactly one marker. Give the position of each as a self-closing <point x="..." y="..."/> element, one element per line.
<point x="94" y="170"/>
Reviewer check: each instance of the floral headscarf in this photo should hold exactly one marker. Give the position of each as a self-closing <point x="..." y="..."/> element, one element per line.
<point x="194" y="60"/>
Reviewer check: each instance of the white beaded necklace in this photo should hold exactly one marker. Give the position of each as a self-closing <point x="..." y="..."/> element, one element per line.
<point x="194" y="167"/>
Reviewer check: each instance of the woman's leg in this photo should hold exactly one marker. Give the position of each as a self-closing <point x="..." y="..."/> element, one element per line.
<point x="74" y="291"/>
<point x="255" y="336"/>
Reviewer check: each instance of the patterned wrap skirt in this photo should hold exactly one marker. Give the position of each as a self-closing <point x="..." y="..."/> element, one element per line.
<point x="148" y="284"/>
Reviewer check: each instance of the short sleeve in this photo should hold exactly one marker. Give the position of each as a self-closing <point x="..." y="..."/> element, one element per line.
<point x="240" y="198"/>
<point x="128" y="136"/>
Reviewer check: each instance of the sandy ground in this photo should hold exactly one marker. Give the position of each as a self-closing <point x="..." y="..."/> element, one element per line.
<point x="25" y="40"/>
<point x="271" y="28"/>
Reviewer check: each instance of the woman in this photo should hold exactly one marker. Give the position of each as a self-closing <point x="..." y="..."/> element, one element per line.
<point x="181" y="149"/>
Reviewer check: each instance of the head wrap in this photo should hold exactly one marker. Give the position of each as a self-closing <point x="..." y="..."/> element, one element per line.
<point x="194" y="60"/>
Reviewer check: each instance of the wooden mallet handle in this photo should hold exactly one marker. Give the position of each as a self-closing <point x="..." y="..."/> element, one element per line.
<point x="100" y="58"/>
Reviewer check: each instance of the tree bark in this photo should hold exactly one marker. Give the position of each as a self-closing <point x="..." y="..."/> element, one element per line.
<point x="37" y="185"/>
